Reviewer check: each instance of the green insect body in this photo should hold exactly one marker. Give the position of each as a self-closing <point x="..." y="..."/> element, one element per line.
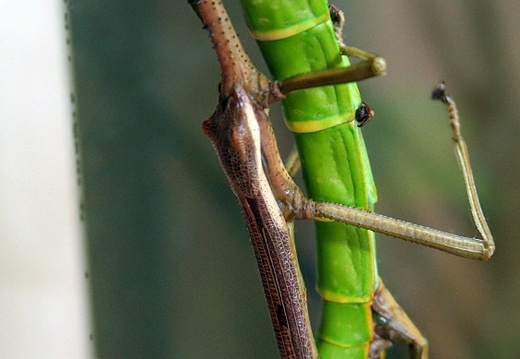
<point x="297" y="37"/>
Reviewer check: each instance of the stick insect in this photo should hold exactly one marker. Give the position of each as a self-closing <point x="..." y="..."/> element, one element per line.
<point x="360" y="318"/>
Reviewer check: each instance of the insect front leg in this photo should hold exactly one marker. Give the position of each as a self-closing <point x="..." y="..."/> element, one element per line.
<point x="467" y="247"/>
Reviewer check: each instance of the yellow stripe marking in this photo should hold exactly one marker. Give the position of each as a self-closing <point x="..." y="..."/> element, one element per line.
<point x="291" y="30"/>
<point x="318" y="125"/>
<point x="342" y="299"/>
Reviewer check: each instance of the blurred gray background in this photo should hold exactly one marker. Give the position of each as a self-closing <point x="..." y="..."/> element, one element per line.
<point x="172" y="274"/>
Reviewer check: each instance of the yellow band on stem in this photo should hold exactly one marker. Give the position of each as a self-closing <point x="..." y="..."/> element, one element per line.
<point x="291" y="30"/>
<point x="342" y="299"/>
<point x="317" y="125"/>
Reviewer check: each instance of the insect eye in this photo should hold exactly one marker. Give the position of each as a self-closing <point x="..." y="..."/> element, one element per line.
<point x="364" y="114"/>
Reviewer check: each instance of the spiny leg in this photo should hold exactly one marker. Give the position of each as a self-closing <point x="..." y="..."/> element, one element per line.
<point x="462" y="246"/>
<point x="440" y="93"/>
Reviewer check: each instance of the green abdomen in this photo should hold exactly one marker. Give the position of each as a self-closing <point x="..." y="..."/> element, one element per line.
<point x="298" y="37"/>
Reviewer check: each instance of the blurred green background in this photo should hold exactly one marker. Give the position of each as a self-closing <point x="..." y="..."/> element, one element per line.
<point x="172" y="274"/>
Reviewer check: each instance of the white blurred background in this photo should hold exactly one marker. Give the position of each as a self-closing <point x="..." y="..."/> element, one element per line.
<point x="43" y="294"/>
